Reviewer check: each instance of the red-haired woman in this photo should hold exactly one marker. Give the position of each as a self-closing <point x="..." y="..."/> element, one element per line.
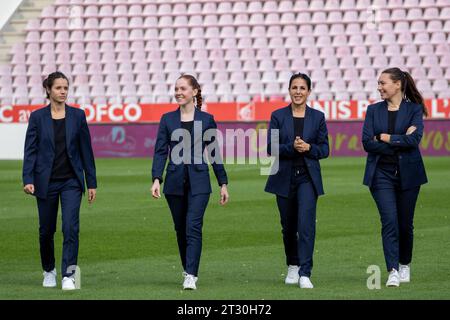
<point x="187" y="185"/>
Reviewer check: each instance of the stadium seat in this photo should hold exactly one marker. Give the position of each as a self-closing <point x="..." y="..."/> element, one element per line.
<point x="242" y="41"/>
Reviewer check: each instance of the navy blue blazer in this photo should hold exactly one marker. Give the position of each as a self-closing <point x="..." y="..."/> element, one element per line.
<point x="412" y="169"/>
<point x="314" y="132"/>
<point x="198" y="169"/>
<point x="39" y="150"/>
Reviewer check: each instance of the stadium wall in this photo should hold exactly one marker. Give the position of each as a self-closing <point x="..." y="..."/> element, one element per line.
<point x="138" y="140"/>
<point x="129" y="130"/>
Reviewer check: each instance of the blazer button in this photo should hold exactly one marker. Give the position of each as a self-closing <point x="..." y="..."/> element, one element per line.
<point x="399" y="157"/>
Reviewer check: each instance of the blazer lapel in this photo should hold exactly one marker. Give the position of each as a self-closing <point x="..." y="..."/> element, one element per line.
<point x="177" y="119"/>
<point x="307" y="124"/>
<point x="401" y="116"/>
<point x="382" y="118"/>
<point x="48" y="126"/>
<point x="197" y="139"/>
<point x="198" y="121"/>
<point x="68" y="125"/>
<point x="197" y="115"/>
<point x="288" y="123"/>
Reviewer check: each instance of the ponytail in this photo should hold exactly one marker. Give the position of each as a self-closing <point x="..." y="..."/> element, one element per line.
<point x="412" y="94"/>
<point x="408" y="87"/>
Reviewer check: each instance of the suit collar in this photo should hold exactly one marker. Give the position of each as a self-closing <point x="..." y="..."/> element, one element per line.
<point x="69" y="129"/>
<point x="197" y="115"/>
<point x="401" y="115"/>
<point x="49" y="124"/>
<point x="290" y="122"/>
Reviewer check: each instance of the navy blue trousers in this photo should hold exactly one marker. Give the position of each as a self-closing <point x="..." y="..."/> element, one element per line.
<point x="69" y="192"/>
<point x="396" y="208"/>
<point x="298" y="221"/>
<point x="187" y="214"/>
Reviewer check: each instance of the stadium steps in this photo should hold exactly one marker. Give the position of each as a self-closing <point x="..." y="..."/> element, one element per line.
<point x="14" y="29"/>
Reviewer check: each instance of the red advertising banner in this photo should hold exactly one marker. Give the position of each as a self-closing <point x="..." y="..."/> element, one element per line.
<point x="223" y="112"/>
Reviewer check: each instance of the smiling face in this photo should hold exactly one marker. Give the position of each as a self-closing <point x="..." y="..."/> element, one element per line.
<point x="387" y="87"/>
<point x="59" y="90"/>
<point x="299" y="91"/>
<point x="184" y="92"/>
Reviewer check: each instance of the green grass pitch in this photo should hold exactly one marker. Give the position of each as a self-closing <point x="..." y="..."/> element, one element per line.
<point x="128" y="248"/>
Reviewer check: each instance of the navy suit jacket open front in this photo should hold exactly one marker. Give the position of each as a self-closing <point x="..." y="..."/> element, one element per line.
<point x="39" y="150"/>
<point x="198" y="169"/>
<point x="314" y="132"/>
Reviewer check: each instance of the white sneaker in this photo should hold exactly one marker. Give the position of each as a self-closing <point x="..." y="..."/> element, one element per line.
<point x="393" y="279"/>
<point x="292" y="275"/>
<point x="68" y="283"/>
<point x="49" y="279"/>
<point x="404" y="273"/>
<point x="189" y="282"/>
<point x="305" y="283"/>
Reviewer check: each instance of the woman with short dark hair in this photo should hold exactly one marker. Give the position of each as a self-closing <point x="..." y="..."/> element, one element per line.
<point x="302" y="140"/>
<point x="58" y="157"/>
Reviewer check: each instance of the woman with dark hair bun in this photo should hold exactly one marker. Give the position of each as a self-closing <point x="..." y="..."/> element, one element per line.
<point x="394" y="170"/>
<point x="302" y="141"/>
<point x="58" y="157"/>
<point x="187" y="184"/>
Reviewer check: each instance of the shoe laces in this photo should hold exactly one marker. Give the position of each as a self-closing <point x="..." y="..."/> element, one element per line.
<point x="49" y="274"/>
<point x="394" y="273"/>
<point x="190" y="278"/>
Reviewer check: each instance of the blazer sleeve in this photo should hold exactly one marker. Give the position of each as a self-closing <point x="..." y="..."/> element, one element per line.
<point x="369" y="144"/>
<point x="87" y="154"/>
<point x="212" y="148"/>
<point x="161" y="151"/>
<point x="320" y="149"/>
<point x="285" y="150"/>
<point x="410" y="140"/>
<point x="30" y="151"/>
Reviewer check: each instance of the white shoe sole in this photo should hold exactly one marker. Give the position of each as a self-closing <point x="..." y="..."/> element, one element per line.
<point x="68" y="289"/>
<point x="289" y="282"/>
<point x="189" y="288"/>
<point x="392" y="285"/>
<point x="49" y="285"/>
